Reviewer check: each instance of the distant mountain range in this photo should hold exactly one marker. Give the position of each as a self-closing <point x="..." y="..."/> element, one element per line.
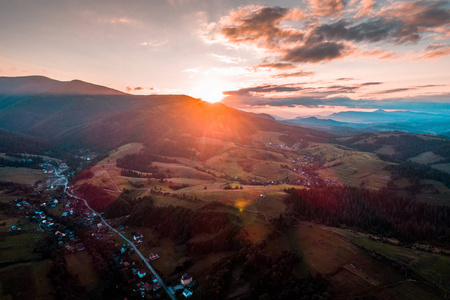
<point x="351" y="122"/>
<point x="383" y="116"/>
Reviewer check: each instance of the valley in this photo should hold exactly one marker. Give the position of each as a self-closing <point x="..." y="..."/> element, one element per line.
<point x="239" y="205"/>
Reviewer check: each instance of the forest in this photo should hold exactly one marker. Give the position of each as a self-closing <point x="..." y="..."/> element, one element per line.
<point x="415" y="170"/>
<point x="268" y="277"/>
<point x="96" y="197"/>
<point x="405" y="145"/>
<point x="378" y="212"/>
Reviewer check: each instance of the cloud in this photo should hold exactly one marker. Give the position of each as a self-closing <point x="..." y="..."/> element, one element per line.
<point x="120" y="21"/>
<point x="435" y="51"/>
<point x="380" y="54"/>
<point x="371" y="83"/>
<point x="259" y="25"/>
<point x="228" y="59"/>
<point x="294" y="74"/>
<point x="421" y="103"/>
<point x="263" y="89"/>
<point x="373" y="30"/>
<point x="138" y="88"/>
<point x="298" y="90"/>
<point x="391" y="91"/>
<point x="423" y="13"/>
<point x="279" y="66"/>
<point x="316" y="52"/>
<point x="290" y="36"/>
<point x="327" y="7"/>
<point x="154" y="44"/>
<point x="365" y="8"/>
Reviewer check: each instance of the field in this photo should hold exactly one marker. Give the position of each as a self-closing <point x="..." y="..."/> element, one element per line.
<point x="427" y="158"/>
<point x="23" y="275"/>
<point x="21" y="175"/>
<point x="356" y="169"/>
<point x="18" y="245"/>
<point x="80" y="265"/>
<point x="352" y="272"/>
<point x="335" y="254"/>
<point x="435" y="193"/>
<point x="432" y="267"/>
<point x="442" y="167"/>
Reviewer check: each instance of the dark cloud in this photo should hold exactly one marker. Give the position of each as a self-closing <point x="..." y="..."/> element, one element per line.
<point x="260" y="27"/>
<point x="403" y="22"/>
<point x="427" y="13"/>
<point x="294" y="74"/>
<point x="315" y="52"/>
<point x="373" y="30"/>
<point x="370" y="83"/>
<point x="263" y="89"/>
<point x="300" y="89"/>
<point x="393" y="91"/>
<point x="431" y="103"/>
<point x="279" y="66"/>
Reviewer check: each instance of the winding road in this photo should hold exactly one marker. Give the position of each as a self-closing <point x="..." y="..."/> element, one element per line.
<point x="66" y="190"/>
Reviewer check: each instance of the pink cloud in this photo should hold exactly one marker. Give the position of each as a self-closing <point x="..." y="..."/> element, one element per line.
<point x="435" y="51"/>
<point x="327" y="7"/>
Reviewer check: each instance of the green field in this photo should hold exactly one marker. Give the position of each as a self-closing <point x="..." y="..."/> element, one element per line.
<point x="328" y="251"/>
<point x="431" y="266"/>
<point x="21" y="175"/>
<point x="80" y="265"/>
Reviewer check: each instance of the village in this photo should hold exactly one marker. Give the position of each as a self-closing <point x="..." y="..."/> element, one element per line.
<point x="61" y="217"/>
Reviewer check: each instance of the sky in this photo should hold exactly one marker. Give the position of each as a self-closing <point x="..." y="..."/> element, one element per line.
<point x="286" y="58"/>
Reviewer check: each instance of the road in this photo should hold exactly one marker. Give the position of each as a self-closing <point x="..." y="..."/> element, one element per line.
<point x="66" y="190"/>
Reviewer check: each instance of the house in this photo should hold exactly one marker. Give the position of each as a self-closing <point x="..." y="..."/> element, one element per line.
<point x="148" y="286"/>
<point x="153" y="256"/>
<point x="138" y="236"/>
<point x="186" y="279"/>
<point x="141" y="273"/>
<point x="187" y="293"/>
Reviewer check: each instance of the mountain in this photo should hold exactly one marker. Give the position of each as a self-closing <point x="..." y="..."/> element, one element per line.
<point x="13" y="142"/>
<point x="77" y="113"/>
<point x="33" y="85"/>
<point x="355" y="122"/>
<point x="318" y="122"/>
<point x="382" y="116"/>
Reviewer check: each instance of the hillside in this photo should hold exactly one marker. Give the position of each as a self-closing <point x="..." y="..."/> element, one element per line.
<point x="77" y="113"/>
<point x="233" y="198"/>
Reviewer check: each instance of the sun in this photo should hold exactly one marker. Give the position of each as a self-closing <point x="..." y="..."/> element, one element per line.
<point x="210" y="89"/>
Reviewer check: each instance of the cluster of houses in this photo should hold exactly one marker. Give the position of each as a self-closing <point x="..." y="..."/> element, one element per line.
<point x="144" y="284"/>
<point x="34" y="213"/>
<point x="185" y="286"/>
<point x="278" y="146"/>
<point x="141" y="283"/>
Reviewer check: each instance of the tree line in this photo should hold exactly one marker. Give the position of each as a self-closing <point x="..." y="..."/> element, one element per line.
<point x="378" y="212"/>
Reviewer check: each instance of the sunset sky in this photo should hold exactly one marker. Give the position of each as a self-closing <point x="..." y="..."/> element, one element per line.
<point x="287" y="58"/>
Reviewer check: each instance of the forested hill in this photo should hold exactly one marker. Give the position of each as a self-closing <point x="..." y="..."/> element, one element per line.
<point x="80" y="114"/>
